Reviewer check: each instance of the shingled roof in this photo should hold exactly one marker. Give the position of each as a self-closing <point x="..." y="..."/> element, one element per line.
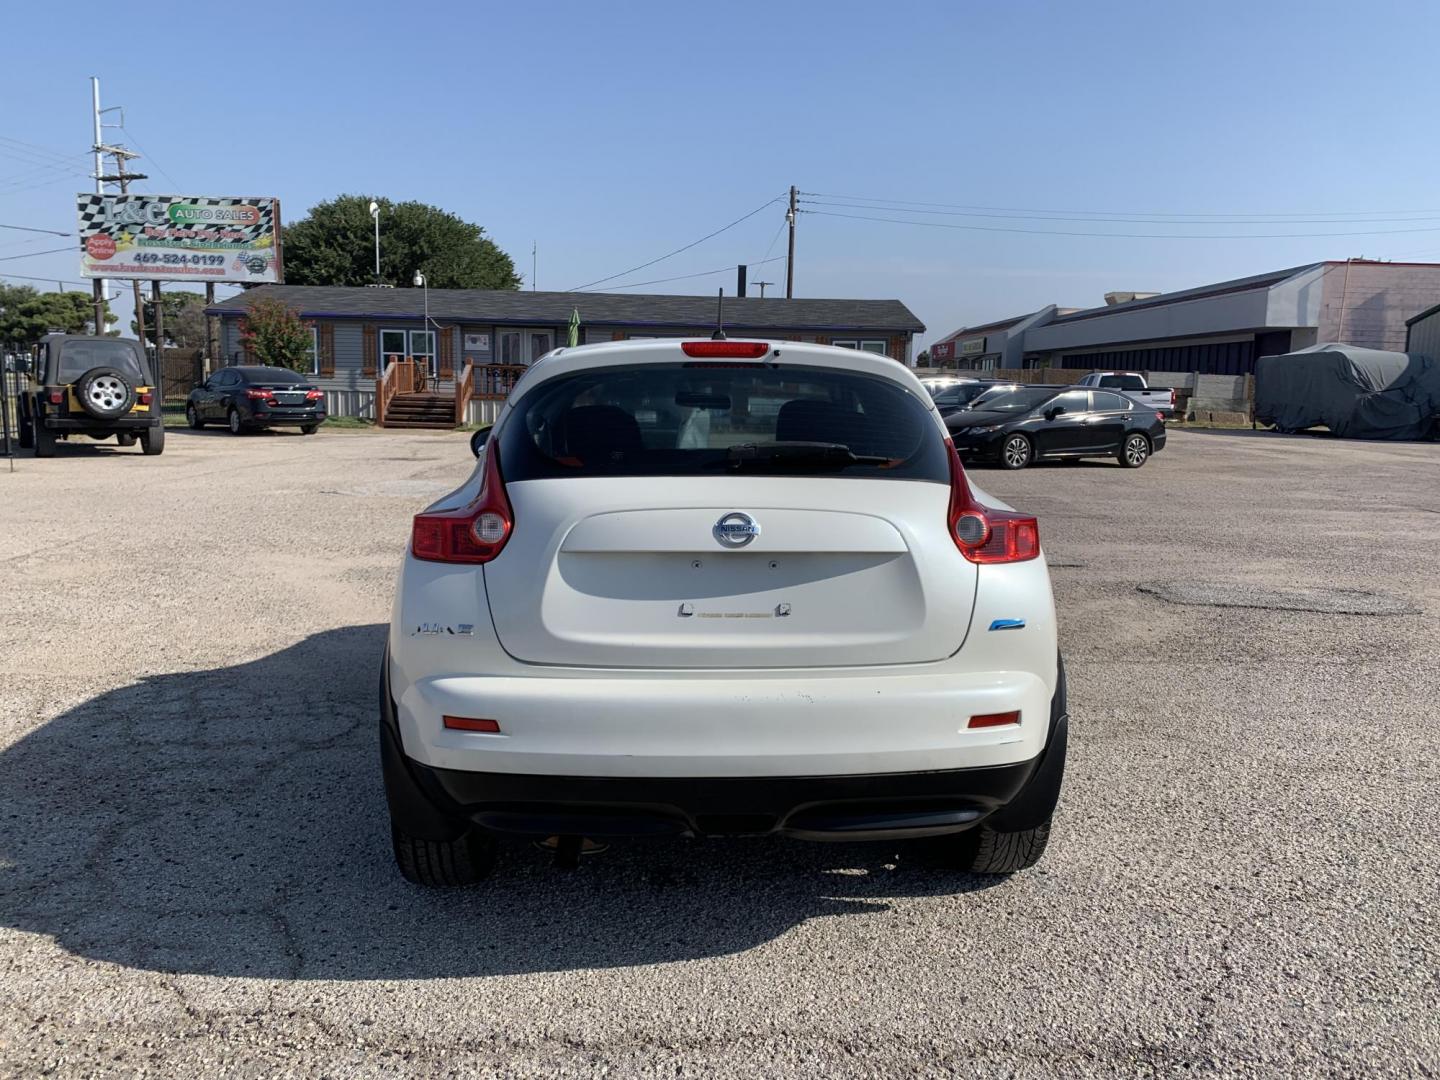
<point x="513" y="307"/>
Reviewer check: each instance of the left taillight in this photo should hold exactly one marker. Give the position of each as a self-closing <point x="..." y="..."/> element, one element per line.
<point x="475" y="533"/>
<point x="982" y="533"/>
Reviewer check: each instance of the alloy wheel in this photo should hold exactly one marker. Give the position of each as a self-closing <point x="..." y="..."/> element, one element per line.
<point x="1017" y="452"/>
<point x="1136" y="451"/>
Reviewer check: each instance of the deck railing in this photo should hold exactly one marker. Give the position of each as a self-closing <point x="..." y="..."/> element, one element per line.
<point x="493" y="382"/>
<point x="398" y="378"/>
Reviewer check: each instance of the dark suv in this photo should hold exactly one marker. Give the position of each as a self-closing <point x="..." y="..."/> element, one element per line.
<point x="95" y="386"/>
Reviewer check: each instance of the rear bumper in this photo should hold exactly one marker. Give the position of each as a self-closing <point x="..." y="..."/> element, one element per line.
<point x="686" y="727"/>
<point x="83" y="424"/>
<point x="287" y="416"/>
<point x="435" y="802"/>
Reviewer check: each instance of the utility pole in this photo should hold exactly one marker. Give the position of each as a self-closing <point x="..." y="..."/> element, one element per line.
<point x="761" y="286"/>
<point x="790" y="261"/>
<point x="123" y="177"/>
<point x="534" y="264"/>
<point x="98" y="285"/>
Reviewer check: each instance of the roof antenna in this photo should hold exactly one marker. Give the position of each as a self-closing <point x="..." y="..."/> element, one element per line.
<point x="719" y="334"/>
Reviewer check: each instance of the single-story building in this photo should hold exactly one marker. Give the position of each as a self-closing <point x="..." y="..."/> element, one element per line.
<point x="1217" y="329"/>
<point x="357" y="330"/>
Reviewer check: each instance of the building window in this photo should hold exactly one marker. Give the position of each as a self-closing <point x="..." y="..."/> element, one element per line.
<point x="314" y="367"/>
<point x="418" y="345"/>
<point x="870" y="345"/>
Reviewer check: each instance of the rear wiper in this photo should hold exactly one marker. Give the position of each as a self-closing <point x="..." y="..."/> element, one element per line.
<point x="797" y="453"/>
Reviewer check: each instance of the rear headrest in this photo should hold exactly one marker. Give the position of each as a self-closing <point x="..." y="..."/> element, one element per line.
<point x="597" y="434"/>
<point x="818" y="421"/>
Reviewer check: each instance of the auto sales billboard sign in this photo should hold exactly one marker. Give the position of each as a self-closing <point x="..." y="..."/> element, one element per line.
<point x="180" y="238"/>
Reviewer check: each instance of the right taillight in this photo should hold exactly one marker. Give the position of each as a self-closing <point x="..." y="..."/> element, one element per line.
<point x="471" y="534"/>
<point x="984" y="534"/>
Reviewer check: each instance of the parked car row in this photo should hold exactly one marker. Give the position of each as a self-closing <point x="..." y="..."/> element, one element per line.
<point x="1015" y="424"/>
<point x="104" y="387"/>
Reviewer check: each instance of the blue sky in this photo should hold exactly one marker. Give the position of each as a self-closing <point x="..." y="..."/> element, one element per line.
<point x="609" y="134"/>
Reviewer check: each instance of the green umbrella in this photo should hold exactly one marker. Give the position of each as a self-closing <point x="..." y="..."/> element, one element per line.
<point x="574" y="327"/>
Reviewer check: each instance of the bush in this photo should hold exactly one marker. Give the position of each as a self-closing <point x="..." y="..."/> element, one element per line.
<point x="276" y="336"/>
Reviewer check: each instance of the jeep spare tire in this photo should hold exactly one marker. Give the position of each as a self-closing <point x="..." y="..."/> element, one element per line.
<point x="105" y="393"/>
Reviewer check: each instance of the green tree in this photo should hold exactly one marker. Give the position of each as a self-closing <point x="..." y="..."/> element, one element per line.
<point x="335" y="245"/>
<point x="276" y="335"/>
<point x="26" y="314"/>
<point x="184" y="320"/>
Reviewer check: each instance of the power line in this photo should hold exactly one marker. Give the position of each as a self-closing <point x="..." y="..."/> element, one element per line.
<point x="677" y="251"/>
<point x="1117" y="235"/>
<point x="31" y="228"/>
<point x="1135" y="213"/>
<point x="47" y="280"/>
<point x="897" y="209"/>
<point x="150" y="158"/>
<point x="16" y="146"/>
<point x="33" y="254"/>
<point x="771" y="246"/>
<point x="686" y="277"/>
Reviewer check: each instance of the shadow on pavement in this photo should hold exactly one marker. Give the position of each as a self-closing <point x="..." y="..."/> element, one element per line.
<point x="231" y="822"/>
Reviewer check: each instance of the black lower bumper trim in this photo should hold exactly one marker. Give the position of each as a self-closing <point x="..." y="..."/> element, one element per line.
<point x="814" y="807"/>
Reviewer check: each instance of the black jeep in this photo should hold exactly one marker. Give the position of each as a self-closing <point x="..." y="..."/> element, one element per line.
<point x="95" y="386"/>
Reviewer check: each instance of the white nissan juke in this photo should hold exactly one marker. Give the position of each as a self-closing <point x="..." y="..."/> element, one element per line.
<point x="720" y="587"/>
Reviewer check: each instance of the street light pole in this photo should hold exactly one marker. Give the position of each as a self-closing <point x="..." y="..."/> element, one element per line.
<point x="430" y="340"/>
<point x="375" y="213"/>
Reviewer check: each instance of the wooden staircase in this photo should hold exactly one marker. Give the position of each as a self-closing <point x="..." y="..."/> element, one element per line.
<point x="427" y="409"/>
<point x="406" y="397"/>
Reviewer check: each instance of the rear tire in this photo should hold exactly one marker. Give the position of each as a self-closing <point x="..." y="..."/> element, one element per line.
<point x="27" y="434"/>
<point x="1015" y="836"/>
<point x="1015" y="452"/>
<point x="1134" y="450"/>
<point x="152" y="441"/>
<point x="126" y="438"/>
<point x="44" y="441"/>
<point x="232" y="418"/>
<point x="984" y="850"/>
<point x="308" y="429"/>
<point x="443" y="864"/>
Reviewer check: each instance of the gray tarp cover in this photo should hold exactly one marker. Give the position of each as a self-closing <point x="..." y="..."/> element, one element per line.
<point x="1357" y="393"/>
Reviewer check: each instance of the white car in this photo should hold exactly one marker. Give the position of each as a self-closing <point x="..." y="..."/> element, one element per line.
<point x="715" y="588"/>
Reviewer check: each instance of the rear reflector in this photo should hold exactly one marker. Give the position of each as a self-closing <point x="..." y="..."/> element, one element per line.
<point x="465" y="723"/>
<point x="994" y="719"/>
<point x="733" y="350"/>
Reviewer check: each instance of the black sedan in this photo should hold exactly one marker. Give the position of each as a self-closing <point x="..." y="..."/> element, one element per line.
<point x="1017" y="426"/>
<point x="243" y="398"/>
<point x="952" y="397"/>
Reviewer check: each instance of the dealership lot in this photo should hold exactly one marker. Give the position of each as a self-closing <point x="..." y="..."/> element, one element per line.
<point x="194" y="875"/>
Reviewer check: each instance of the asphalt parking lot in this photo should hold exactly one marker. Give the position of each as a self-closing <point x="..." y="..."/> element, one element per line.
<point x="194" y="868"/>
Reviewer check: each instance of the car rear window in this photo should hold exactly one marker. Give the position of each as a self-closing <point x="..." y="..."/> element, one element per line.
<point x="715" y="419"/>
<point x="78" y="357"/>
<point x="270" y="376"/>
<point x="1011" y="399"/>
<point x="1122" y="382"/>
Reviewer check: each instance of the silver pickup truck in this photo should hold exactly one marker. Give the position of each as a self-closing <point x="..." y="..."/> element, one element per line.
<point x="1132" y="384"/>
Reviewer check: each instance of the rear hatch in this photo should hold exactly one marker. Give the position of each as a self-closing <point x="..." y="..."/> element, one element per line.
<point x="674" y="517"/>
